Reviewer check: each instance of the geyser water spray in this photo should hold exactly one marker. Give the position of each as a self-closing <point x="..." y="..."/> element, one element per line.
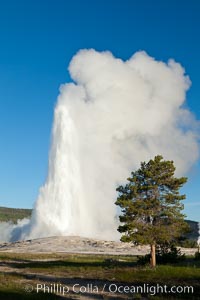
<point x="114" y="115"/>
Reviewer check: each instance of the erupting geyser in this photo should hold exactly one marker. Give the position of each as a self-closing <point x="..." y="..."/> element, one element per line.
<point x="114" y="115"/>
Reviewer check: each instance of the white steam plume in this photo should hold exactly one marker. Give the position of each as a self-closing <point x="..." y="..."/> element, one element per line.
<point x="115" y="115"/>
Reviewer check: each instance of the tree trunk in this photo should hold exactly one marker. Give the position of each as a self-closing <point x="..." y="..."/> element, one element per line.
<point x="153" y="256"/>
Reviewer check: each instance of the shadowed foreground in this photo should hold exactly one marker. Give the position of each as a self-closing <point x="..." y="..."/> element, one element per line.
<point x="90" y="277"/>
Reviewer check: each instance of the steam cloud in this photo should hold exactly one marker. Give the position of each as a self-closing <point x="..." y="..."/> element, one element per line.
<point x="114" y="115"/>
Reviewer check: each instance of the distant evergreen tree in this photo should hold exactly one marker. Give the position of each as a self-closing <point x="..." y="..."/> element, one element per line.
<point x="151" y="205"/>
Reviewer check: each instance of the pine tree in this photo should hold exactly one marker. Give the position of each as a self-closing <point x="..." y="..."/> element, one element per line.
<point x="151" y="205"/>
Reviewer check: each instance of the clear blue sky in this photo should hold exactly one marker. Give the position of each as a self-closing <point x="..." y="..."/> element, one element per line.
<point x="37" y="41"/>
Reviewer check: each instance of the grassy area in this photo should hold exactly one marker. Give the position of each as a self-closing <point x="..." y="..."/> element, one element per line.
<point x="96" y="269"/>
<point x="12" y="288"/>
<point x="13" y="214"/>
